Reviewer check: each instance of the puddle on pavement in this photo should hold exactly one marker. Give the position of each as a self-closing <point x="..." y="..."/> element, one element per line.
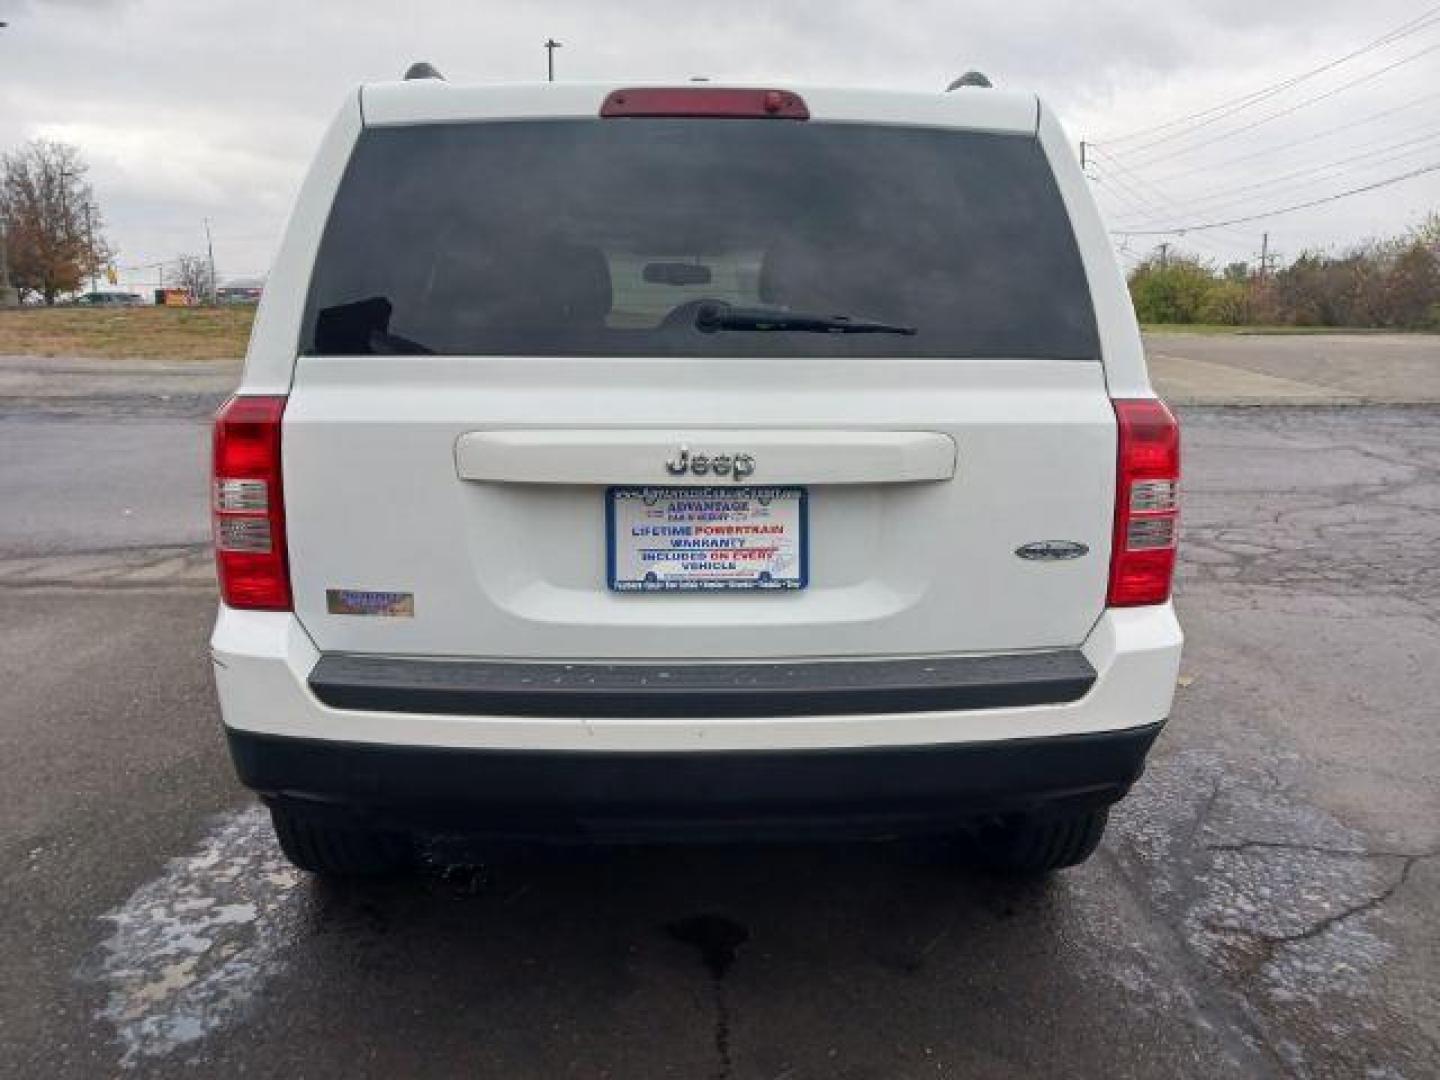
<point x="1281" y="899"/>
<point x="189" y="952"/>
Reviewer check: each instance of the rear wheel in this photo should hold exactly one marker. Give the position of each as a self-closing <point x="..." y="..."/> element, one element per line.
<point x="1040" y="844"/>
<point x="340" y="850"/>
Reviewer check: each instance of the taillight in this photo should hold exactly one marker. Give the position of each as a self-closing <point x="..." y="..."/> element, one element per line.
<point x="248" y="506"/>
<point x="1147" y="503"/>
<point x="723" y="101"/>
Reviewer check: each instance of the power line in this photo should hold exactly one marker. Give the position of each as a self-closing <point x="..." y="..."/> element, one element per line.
<point x="1139" y="181"/>
<point x="1418" y="23"/>
<point x="1141" y="185"/>
<point x="1378" y="156"/>
<point x="1160" y="197"/>
<point x="1182" y="229"/>
<point x="1233" y="105"/>
<point x="1129" y="256"/>
<point x="1305" y="177"/>
<point x="1213" y="249"/>
<point x="1302" y="104"/>
<point x="1277" y="147"/>
<point x="1117" y="185"/>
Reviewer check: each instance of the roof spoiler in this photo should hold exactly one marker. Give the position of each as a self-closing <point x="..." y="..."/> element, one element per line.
<point x="422" y="70"/>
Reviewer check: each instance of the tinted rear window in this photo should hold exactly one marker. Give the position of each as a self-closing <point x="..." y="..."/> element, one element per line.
<point x="605" y="237"/>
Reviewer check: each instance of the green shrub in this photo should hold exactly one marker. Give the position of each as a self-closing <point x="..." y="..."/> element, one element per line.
<point x="1380" y="283"/>
<point x="1171" y="291"/>
<point x="1228" y="303"/>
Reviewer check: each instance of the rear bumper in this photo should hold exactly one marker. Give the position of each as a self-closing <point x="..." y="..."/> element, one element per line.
<point x="807" y="745"/>
<point x="264" y="662"/>
<point x="699" y="691"/>
<point x="874" y="791"/>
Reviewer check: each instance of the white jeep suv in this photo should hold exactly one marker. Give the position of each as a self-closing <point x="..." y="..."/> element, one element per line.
<point x="703" y="462"/>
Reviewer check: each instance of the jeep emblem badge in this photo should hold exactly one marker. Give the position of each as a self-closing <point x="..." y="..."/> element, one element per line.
<point x="735" y="466"/>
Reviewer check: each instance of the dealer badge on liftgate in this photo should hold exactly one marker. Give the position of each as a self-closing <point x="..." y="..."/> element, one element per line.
<point x="369" y="602"/>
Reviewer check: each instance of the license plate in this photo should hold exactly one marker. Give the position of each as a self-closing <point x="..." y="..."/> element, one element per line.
<point x="672" y="539"/>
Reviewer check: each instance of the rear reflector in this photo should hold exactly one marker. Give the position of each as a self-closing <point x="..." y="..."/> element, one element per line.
<point x="705" y="101"/>
<point x="1147" y="503"/>
<point x="248" y="505"/>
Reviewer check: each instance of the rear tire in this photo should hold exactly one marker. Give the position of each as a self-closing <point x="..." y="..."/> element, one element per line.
<point x="340" y="850"/>
<point x="1037" y="845"/>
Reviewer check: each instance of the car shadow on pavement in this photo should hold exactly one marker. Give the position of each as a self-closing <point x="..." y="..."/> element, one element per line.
<point x="819" y="960"/>
<point x="845" y="960"/>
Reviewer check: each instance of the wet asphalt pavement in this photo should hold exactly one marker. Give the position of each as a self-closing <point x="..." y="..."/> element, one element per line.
<point x="1266" y="903"/>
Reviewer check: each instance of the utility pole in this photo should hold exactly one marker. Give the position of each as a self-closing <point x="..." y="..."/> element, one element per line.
<point x="1165" y="255"/>
<point x="1082" y="155"/>
<point x="64" y="175"/>
<point x="9" y="297"/>
<point x="550" y="46"/>
<point x="1268" y="258"/>
<point x="90" y="245"/>
<point x="210" y="250"/>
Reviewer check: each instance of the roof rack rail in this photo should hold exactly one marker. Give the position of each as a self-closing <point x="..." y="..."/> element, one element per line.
<point x="422" y="70"/>
<point x="971" y="78"/>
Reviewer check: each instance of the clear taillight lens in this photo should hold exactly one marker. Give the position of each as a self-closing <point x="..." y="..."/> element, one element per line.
<point x="1154" y="496"/>
<point x="1147" y="503"/>
<point x="238" y="496"/>
<point x="248" y="505"/>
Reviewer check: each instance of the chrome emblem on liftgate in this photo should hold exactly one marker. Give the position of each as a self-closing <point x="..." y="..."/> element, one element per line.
<point x="735" y="466"/>
<point x="1052" y="550"/>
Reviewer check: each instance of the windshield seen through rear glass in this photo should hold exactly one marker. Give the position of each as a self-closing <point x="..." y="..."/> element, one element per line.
<point x="613" y="237"/>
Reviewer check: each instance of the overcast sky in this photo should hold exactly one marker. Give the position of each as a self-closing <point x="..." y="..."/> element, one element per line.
<point x="190" y="110"/>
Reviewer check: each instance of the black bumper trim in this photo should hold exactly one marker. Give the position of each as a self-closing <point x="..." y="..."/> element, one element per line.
<point x="560" y="794"/>
<point x="816" y="688"/>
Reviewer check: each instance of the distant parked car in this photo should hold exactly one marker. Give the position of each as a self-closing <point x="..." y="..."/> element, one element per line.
<point x="111" y="299"/>
<point x="173" y="297"/>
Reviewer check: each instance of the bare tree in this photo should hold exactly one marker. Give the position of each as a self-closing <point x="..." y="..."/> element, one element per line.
<point x="192" y="273"/>
<point x="1428" y="232"/>
<point x="1412" y="288"/>
<point x="53" y="228"/>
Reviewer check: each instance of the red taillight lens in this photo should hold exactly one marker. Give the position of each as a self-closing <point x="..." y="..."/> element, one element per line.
<point x="1147" y="503"/>
<point x="705" y="101"/>
<point x="247" y="505"/>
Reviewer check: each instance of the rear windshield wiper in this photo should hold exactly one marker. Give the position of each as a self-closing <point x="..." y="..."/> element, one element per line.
<point x="713" y="317"/>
